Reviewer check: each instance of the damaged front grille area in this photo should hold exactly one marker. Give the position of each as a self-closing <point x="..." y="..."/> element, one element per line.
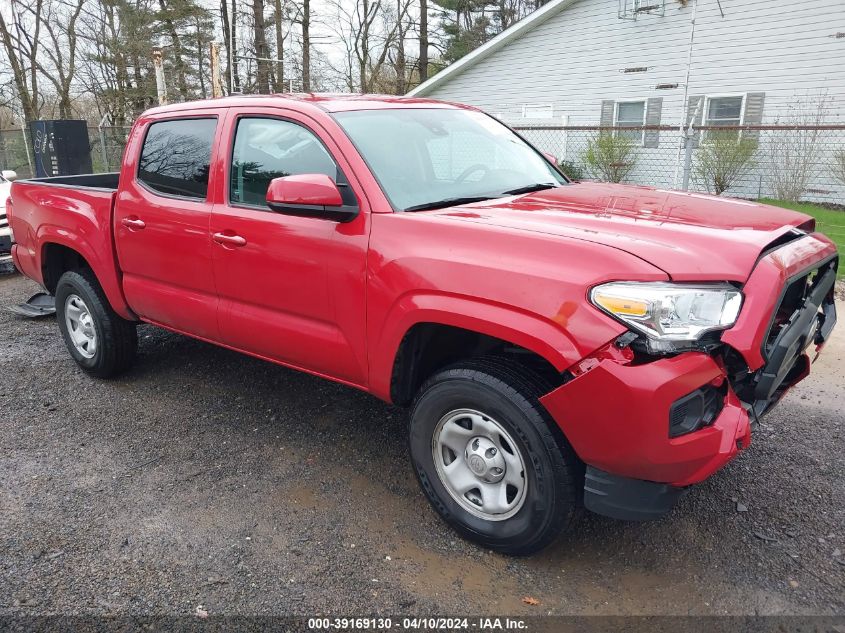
<point x="805" y="314"/>
<point x="794" y="300"/>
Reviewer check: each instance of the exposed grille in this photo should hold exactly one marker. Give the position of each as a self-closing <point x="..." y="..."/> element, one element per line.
<point x="792" y="300"/>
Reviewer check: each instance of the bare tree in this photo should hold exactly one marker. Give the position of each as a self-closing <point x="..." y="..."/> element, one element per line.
<point x="399" y="57"/>
<point x="280" y="46"/>
<point x="839" y="166"/>
<point x="227" y="39"/>
<point x="21" y="46"/>
<point x="233" y="22"/>
<point x="423" y="58"/>
<point x="306" y="45"/>
<point x="794" y="153"/>
<point x="59" y="21"/>
<point x="370" y="34"/>
<point x="262" y="53"/>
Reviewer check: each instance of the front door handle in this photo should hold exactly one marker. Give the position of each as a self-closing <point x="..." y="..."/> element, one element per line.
<point x="133" y="223"/>
<point x="229" y="240"/>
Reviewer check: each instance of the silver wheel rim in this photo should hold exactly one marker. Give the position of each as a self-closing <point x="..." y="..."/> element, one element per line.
<point x="479" y="464"/>
<point x="80" y="326"/>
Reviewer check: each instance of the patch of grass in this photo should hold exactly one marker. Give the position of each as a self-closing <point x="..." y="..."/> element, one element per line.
<point x="828" y="221"/>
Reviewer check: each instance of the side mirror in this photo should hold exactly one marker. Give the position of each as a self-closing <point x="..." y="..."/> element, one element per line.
<point x="309" y="195"/>
<point x="551" y="158"/>
<point x="9" y="174"/>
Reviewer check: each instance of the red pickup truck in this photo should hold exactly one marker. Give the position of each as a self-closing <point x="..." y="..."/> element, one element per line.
<point x="561" y="345"/>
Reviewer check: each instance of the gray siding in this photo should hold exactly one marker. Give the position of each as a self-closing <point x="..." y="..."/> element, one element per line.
<point x="573" y="60"/>
<point x="776" y="53"/>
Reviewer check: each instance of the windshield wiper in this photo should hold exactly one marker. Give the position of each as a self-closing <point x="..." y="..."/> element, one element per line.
<point x="540" y="186"/>
<point x="448" y="202"/>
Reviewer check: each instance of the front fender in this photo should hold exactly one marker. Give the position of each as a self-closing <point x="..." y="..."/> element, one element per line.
<point x="540" y="335"/>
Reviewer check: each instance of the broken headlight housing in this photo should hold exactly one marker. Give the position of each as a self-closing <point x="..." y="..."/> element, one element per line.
<point x="672" y="316"/>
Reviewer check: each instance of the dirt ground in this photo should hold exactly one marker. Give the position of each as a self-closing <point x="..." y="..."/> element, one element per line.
<point x="204" y="477"/>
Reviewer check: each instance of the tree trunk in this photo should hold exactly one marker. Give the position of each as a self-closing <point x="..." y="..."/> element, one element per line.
<point x="234" y="28"/>
<point x="280" y="48"/>
<point x="423" y="63"/>
<point x="306" y="45"/>
<point x="364" y="47"/>
<point x="400" y="50"/>
<point x="262" y="74"/>
<point x="227" y="37"/>
<point x="141" y="103"/>
<point x="200" y="74"/>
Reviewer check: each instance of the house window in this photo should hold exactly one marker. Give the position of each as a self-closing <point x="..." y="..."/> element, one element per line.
<point x="724" y="111"/>
<point x="630" y="114"/>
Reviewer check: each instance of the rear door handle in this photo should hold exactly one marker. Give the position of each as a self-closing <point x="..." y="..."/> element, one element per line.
<point x="133" y="223"/>
<point x="229" y="240"/>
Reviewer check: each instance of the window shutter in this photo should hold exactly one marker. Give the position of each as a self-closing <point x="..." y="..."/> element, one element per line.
<point x="753" y="113"/>
<point x="695" y="102"/>
<point x="652" y="117"/>
<point x="607" y="108"/>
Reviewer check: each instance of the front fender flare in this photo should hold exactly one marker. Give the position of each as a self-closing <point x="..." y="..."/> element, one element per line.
<point x="533" y="332"/>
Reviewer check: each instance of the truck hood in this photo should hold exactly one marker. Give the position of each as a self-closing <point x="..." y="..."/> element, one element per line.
<point x="690" y="236"/>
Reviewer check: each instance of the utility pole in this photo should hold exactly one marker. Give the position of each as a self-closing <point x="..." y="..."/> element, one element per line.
<point x="161" y="87"/>
<point x="684" y="145"/>
<point x="216" y="87"/>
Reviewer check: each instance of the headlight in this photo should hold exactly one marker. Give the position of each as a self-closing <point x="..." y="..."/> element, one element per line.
<point x="670" y="312"/>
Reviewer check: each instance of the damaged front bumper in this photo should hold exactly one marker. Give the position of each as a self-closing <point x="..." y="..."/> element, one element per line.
<point x="649" y="427"/>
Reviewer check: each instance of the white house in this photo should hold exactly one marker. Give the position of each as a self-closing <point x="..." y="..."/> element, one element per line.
<point x="653" y="62"/>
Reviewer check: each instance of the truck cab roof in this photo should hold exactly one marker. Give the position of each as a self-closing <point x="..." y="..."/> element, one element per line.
<point x="327" y="102"/>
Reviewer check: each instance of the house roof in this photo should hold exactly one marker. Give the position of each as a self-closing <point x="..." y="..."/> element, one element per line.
<point x="485" y="50"/>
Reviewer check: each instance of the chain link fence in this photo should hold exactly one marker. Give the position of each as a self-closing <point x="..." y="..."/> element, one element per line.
<point x="781" y="162"/>
<point x="804" y="163"/>
<point x="106" y="145"/>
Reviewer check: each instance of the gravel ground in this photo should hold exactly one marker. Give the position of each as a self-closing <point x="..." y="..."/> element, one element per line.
<point x="209" y="478"/>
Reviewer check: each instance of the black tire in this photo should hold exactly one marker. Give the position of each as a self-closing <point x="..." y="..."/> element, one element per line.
<point x="507" y="393"/>
<point x="117" y="338"/>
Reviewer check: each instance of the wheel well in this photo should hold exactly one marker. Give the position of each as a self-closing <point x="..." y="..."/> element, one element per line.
<point x="56" y="260"/>
<point x="428" y="347"/>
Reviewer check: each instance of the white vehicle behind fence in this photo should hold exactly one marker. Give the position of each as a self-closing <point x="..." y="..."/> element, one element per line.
<point x="6" y="178"/>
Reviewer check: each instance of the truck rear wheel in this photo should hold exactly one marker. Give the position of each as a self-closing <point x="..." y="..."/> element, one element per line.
<point x="101" y="342"/>
<point x="487" y="459"/>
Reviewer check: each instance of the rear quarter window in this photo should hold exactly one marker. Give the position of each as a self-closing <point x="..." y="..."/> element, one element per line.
<point x="176" y="157"/>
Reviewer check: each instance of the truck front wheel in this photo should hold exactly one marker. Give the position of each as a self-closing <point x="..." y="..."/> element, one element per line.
<point x="487" y="459"/>
<point x="99" y="340"/>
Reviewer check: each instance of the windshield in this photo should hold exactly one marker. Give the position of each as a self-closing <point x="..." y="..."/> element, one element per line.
<point x="425" y="158"/>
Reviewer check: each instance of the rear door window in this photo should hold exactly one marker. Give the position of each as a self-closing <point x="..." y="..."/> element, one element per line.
<point x="176" y="157"/>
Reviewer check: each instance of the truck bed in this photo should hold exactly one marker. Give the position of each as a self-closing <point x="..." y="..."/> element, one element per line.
<point x="86" y="181"/>
<point x="70" y="212"/>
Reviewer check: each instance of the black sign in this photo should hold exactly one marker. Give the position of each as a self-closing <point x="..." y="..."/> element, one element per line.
<point x="61" y="148"/>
